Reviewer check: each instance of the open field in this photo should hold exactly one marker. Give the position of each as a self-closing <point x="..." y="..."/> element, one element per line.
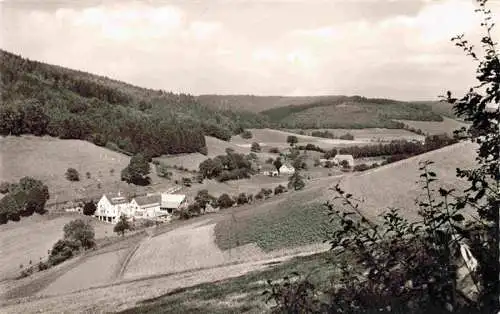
<point x="446" y="126"/>
<point x="276" y="138"/>
<point x="242" y="294"/>
<point x="394" y="185"/>
<point x="46" y="158"/>
<point x="97" y="270"/>
<point x="374" y="134"/>
<point x="31" y="238"/>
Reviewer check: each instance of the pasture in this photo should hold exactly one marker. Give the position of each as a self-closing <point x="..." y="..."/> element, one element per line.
<point x="373" y="134"/>
<point x="46" y="158"/>
<point x="395" y="185"/>
<point x="96" y="270"/>
<point x="277" y="138"/>
<point x="448" y="125"/>
<point x="32" y="237"/>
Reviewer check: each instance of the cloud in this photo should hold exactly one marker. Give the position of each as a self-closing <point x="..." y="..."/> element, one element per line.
<point x="199" y="49"/>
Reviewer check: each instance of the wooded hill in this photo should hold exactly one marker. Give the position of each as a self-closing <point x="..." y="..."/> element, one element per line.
<point x="332" y="111"/>
<point x="39" y="98"/>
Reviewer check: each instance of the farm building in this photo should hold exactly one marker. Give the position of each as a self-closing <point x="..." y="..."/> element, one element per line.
<point x="339" y="158"/>
<point x="172" y="202"/>
<point x="110" y="207"/>
<point x="287" y="169"/>
<point x="146" y="206"/>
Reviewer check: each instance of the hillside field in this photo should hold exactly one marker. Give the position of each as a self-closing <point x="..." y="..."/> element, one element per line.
<point x="47" y="158"/>
<point x="395" y="185"/>
<point x="31" y="238"/>
<point x="448" y="125"/>
<point x="373" y="134"/>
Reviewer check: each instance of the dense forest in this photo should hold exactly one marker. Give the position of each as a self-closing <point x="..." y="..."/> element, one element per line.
<point x="43" y="99"/>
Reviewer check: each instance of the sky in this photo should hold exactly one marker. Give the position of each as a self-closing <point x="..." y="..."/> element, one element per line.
<point x="375" y="48"/>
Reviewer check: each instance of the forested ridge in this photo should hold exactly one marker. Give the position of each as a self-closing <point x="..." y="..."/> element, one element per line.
<point x="42" y="99"/>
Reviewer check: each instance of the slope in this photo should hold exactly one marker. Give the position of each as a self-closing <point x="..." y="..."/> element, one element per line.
<point x="39" y="98"/>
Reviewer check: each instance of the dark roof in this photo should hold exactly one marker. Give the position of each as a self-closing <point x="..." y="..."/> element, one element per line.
<point x="148" y="200"/>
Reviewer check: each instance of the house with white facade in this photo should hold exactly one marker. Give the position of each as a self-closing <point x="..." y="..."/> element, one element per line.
<point x="110" y="207"/>
<point x="340" y="158"/>
<point x="146" y="206"/>
<point x="287" y="169"/>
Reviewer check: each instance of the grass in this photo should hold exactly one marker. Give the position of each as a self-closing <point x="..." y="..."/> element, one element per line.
<point x="46" y="158"/>
<point x="96" y="270"/>
<point x="275" y="225"/>
<point x="33" y="236"/>
<point x="237" y="295"/>
<point x="374" y="134"/>
<point x="395" y="185"/>
<point x="448" y="125"/>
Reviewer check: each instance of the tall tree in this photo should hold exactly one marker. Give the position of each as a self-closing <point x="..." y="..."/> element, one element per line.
<point x="137" y="170"/>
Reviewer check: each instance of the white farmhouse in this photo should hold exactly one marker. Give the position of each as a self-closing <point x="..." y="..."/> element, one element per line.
<point x="146" y="206"/>
<point x="269" y="170"/>
<point x="287" y="169"/>
<point x="339" y="158"/>
<point x="110" y="207"/>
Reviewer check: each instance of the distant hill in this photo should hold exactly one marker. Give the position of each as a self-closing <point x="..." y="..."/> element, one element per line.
<point x="39" y="98"/>
<point x="332" y="111"/>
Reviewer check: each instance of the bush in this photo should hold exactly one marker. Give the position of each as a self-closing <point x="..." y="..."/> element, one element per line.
<point x="347" y="136"/>
<point x="246" y="134"/>
<point x="279" y="189"/>
<point x="274" y="150"/>
<point x="72" y="174"/>
<point x="255" y="147"/>
<point x="186" y="182"/>
<point x="361" y="167"/>
<point x="225" y="201"/>
<point x="88" y="175"/>
<point x="259" y="196"/>
<point x="194" y="209"/>
<point x="269" y="160"/>
<point x="122" y="225"/>
<point x="4" y="187"/>
<point x="242" y="199"/>
<point x="89" y="208"/>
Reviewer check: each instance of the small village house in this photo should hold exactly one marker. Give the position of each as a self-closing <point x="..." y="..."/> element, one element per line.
<point x="287" y="169"/>
<point x="172" y="202"/>
<point x="339" y="158"/>
<point x="269" y="170"/>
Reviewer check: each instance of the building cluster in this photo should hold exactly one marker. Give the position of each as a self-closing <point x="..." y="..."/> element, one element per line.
<point x="158" y="206"/>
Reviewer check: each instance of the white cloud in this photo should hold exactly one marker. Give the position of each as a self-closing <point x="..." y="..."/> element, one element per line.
<point x="404" y="55"/>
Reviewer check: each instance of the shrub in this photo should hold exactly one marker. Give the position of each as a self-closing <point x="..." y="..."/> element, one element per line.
<point x="274" y="150"/>
<point x="347" y="136"/>
<point x="246" y="134"/>
<point x="242" y="199"/>
<point x="88" y="175"/>
<point x="72" y="174"/>
<point x="279" y="189"/>
<point x="4" y="187"/>
<point x="292" y="140"/>
<point x="194" y="209"/>
<point x="259" y="196"/>
<point x="255" y="147"/>
<point x="269" y="160"/>
<point x="225" y="201"/>
<point x="186" y="182"/>
<point x="361" y="167"/>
